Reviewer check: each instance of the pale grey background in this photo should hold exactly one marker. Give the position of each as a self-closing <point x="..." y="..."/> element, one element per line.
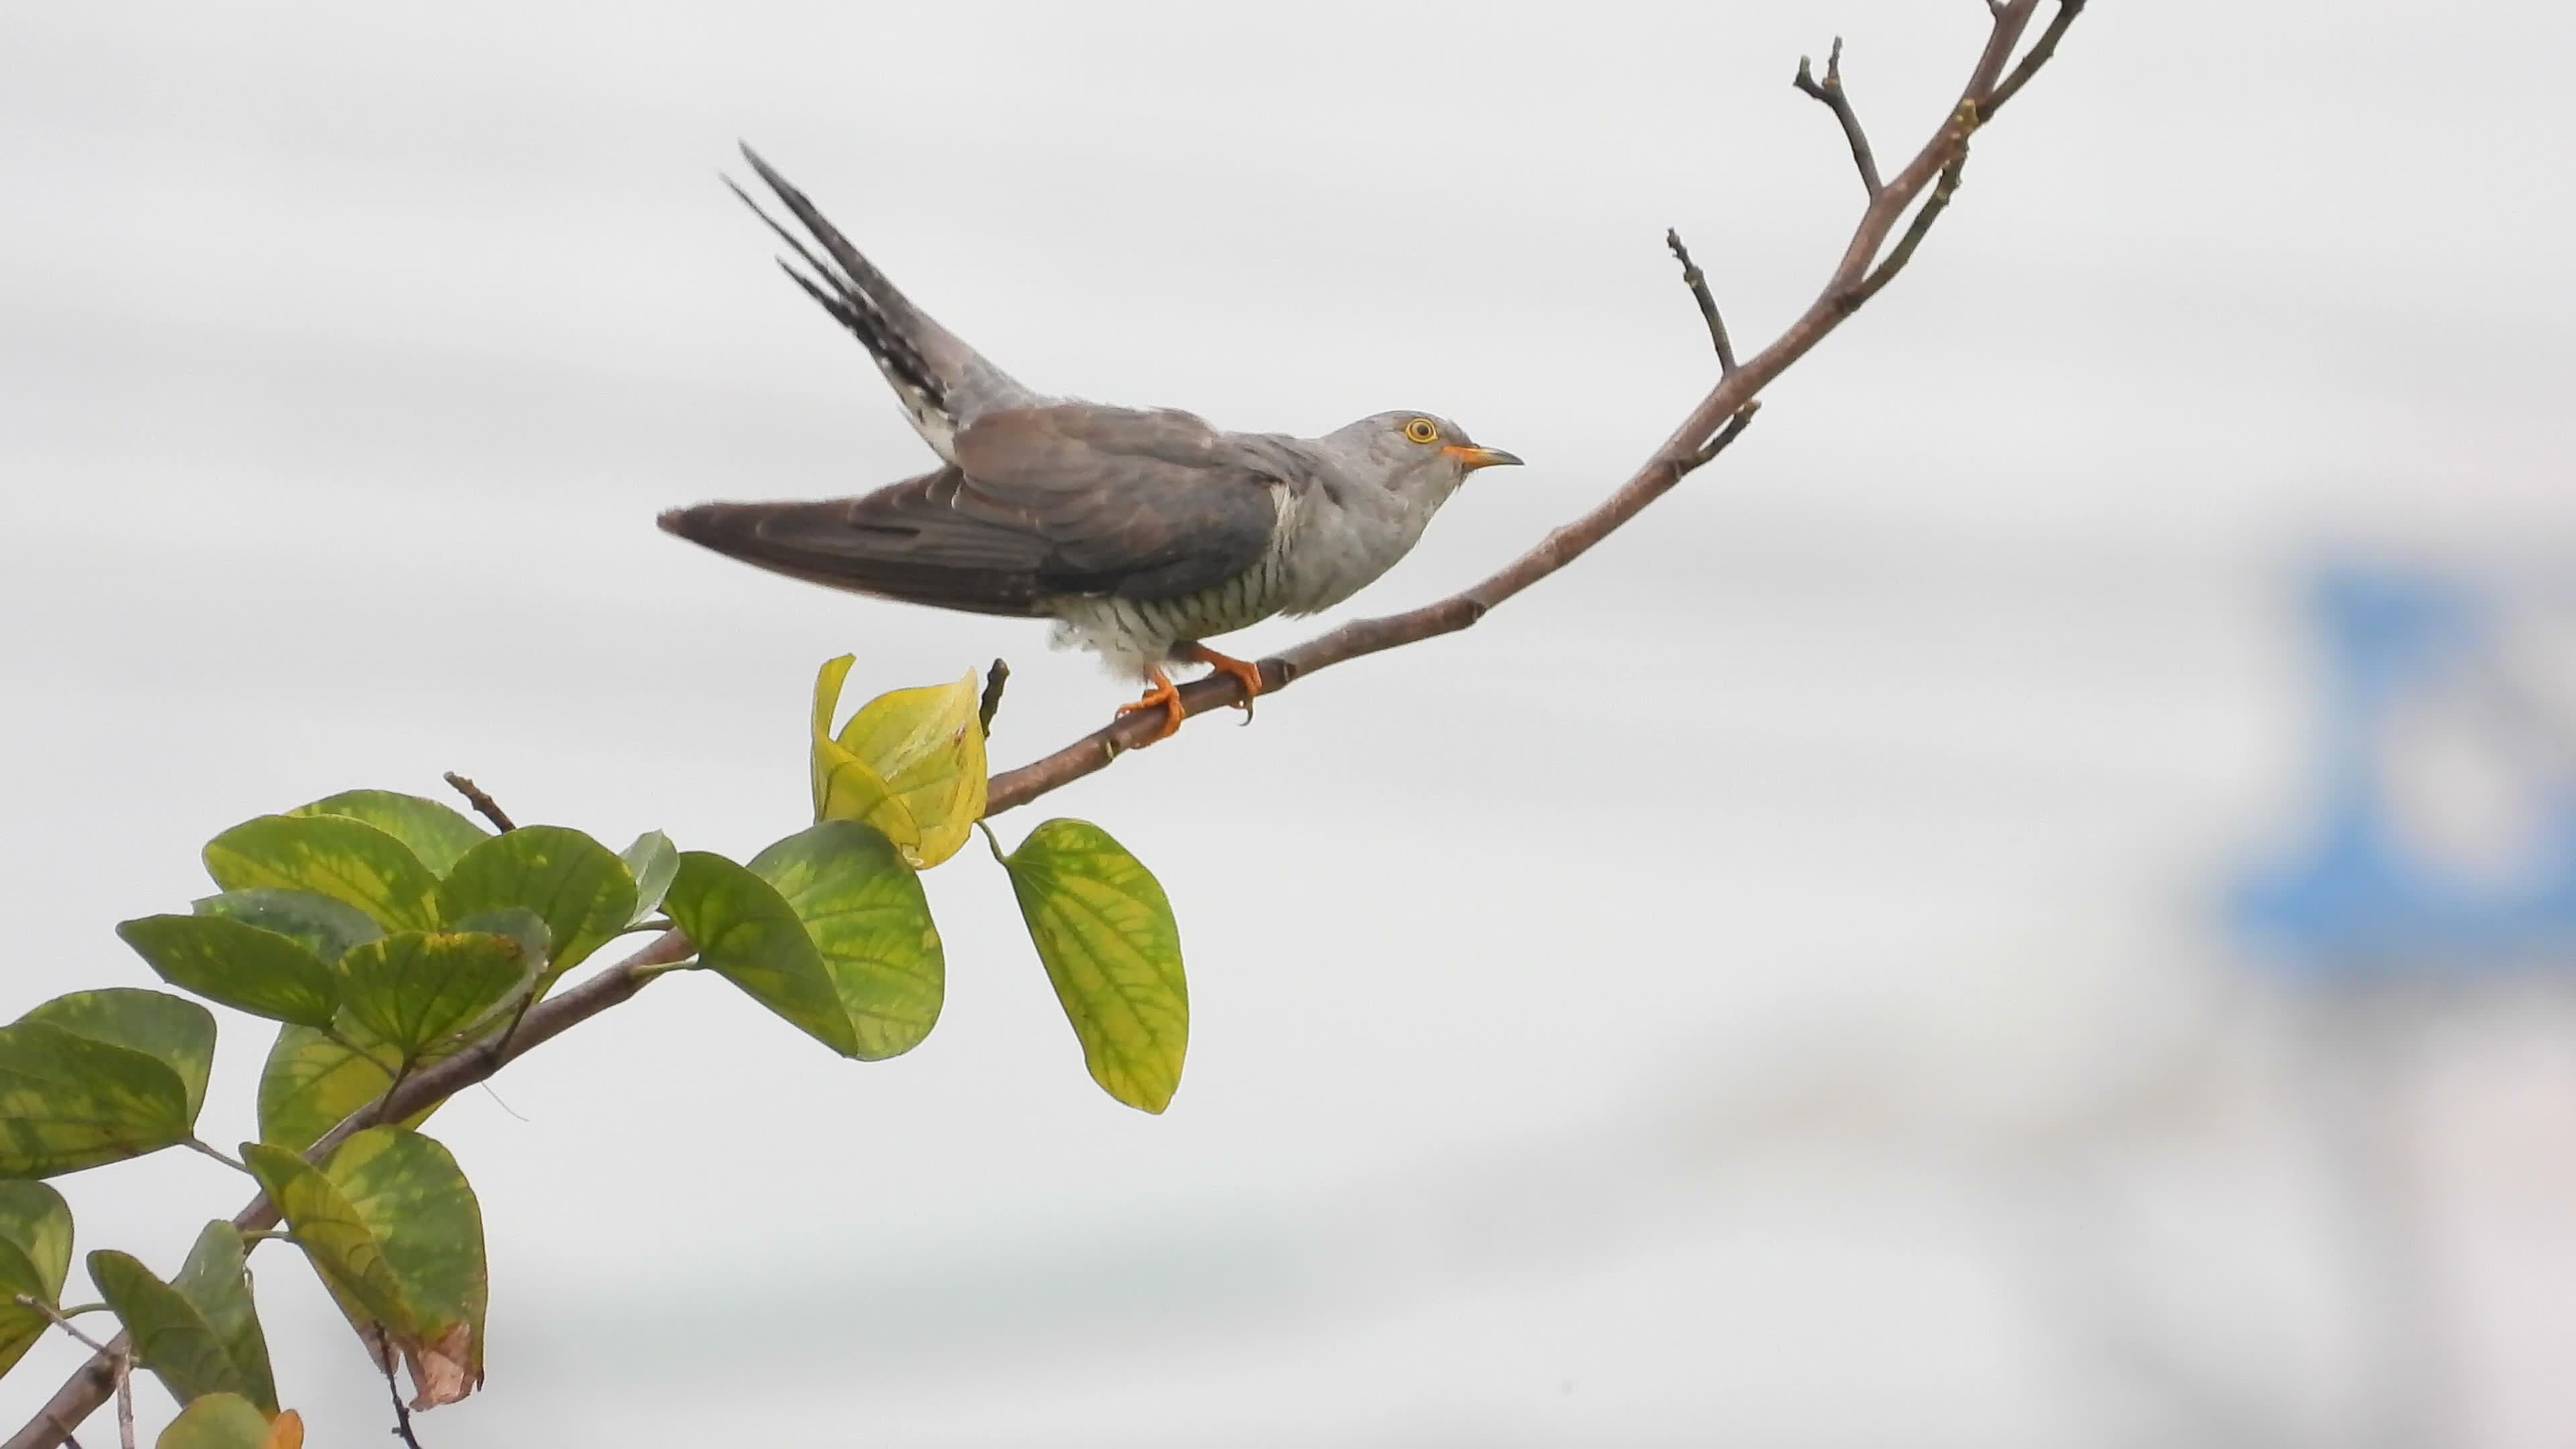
<point x="1758" y="988"/>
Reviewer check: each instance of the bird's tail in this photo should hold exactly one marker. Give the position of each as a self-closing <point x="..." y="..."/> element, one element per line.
<point x="942" y="381"/>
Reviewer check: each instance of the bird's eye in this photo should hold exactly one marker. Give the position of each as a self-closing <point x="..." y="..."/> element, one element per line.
<point x="1422" y="430"/>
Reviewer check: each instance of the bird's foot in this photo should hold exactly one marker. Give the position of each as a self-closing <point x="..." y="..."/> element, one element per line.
<point x="1245" y="672"/>
<point x="1159" y="694"/>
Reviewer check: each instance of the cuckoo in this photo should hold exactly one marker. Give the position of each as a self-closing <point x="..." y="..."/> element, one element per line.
<point x="1143" y="532"/>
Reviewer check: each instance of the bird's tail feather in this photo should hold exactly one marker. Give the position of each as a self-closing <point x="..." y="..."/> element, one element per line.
<point x="853" y="291"/>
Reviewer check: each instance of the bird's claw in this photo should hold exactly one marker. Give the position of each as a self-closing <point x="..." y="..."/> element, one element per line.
<point x="1245" y="672"/>
<point x="1159" y="694"/>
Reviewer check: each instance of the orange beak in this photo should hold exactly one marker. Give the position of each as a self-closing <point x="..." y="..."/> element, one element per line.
<point x="1470" y="459"/>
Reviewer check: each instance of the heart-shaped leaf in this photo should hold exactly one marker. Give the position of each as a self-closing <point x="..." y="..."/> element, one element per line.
<point x="577" y="884"/>
<point x="330" y="855"/>
<point x="747" y="933"/>
<point x="863" y="909"/>
<point x="415" y="989"/>
<point x="1105" y="931"/>
<point x="35" y="1255"/>
<point x="241" y="966"/>
<point x="98" y="1076"/>
<point x="437" y="833"/>
<point x="392" y="1226"/>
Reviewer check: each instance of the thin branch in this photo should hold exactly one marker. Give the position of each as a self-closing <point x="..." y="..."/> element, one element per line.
<point x="483" y="804"/>
<point x="1930" y="212"/>
<point x="1733" y="430"/>
<point x="60" y="1319"/>
<point x="1663" y="469"/>
<point x="2040" y="51"/>
<point x="402" y="1411"/>
<point x="125" y="1400"/>
<point x="1697" y="281"/>
<point x="994" y="679"/>
<point x="1831" y="93"/>
<point x="1715" y="421"/>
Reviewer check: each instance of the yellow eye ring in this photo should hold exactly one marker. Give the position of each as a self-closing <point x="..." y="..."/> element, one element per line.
<point x="1422" y="430"/>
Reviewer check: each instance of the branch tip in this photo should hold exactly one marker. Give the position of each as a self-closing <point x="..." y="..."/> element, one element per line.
<point x="484" y="805"/>
<point x="1697" y="281"/>
<point x="1830" y="94"/>
<point x="994" y="679"/>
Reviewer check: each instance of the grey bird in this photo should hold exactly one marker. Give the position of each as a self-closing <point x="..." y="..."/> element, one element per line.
<point x="1141" y="531"/>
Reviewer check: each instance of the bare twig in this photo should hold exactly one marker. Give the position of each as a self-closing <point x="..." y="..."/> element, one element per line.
<point x="402" y="1411"/>
<point x="994" y="679"/>
<point x="483" y="804"/>
<point x="1717" y="419"/>
<point x="2040" y="51"/>
<point x="1697" y="281"/>
<point x="1898" y="255"/>
<point x="1831" y="93"/>
<point x="125" y="1400"/>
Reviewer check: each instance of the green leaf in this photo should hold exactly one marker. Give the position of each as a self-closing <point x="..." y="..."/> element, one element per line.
<point x="311" y="1082"/>
<point x="927" y="747"/>
<point x="392" y="1227"/>
<point x="243" y="967"/>
<point x="169" y="1029"/>
<point x="746" y="932"/>
<point x="100" y="1075"/>
<point x="1105" y="931"/>
<point x="651" y="860"/>
<point x="847" y="787"/>
<point x="171" y="1335"/>
<point x="67" y="1102"/>
<point x="330" y="855"/>
<point x="415" y="989"/>
<point x="319" y="924"/>
<point x="578" y="885"/>
<point x="863" y="909"/>
<point x="229" y="1421"/>
<point x="215" y="1280"/>
<point x="35" y="1254"/>
<point x="436" y="833"/>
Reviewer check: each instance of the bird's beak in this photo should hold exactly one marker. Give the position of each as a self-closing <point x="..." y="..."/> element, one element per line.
<point x="1471" y="459"/>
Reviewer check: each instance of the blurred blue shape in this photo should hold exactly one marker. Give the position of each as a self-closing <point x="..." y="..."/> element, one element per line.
<point x="2358" y="901"/>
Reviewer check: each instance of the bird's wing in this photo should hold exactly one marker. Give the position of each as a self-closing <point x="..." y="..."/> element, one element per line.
<point x="943" y="383"/>
<point x="1065" y="499"/>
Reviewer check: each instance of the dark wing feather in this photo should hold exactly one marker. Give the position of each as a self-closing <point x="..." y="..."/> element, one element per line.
<point x="924" y="361"/>
<point x="1069" y="499"/>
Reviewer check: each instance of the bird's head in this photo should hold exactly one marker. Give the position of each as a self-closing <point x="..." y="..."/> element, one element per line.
<point x="1419" y="457"/>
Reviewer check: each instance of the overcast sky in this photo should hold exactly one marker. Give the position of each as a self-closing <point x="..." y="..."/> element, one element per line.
<point x="1718" y="998"/>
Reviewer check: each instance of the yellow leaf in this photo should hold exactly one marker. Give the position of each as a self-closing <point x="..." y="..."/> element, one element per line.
<point x="286" y="1431"/>
<point x="928" y="746"/>
<point x="910" y="763"/>
<point x="845" y="787"/>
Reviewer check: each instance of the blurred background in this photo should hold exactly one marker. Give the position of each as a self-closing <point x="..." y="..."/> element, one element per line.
<point x="2029" y="905"/>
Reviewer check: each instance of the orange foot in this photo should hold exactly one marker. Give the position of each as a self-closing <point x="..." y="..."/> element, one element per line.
<point x="1248" y="674"/>
<point x="1159" y="694"/>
